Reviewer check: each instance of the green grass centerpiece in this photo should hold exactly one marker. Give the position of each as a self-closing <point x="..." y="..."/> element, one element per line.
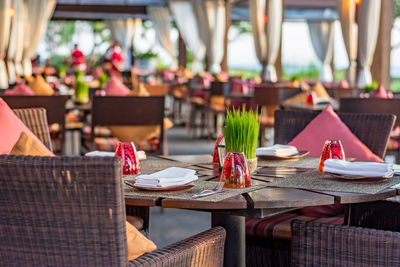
<point x="241" y="133"/>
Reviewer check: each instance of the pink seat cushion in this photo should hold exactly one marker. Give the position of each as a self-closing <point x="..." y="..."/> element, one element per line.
<point x="115" y="87"/>
<point x="11" y="128"/>
<point x="323" y="211"/>
<point x="381" y="92"/>
<point x="328" y="126"/>
<point x="279" y="226"/>
<point x="20" y="89"/>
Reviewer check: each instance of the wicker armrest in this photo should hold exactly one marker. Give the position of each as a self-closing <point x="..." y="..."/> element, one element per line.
<point x="316" y="244"/>
<point x="204" y="249"/>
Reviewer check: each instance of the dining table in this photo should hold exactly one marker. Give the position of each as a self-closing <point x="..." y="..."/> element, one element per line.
<point x="278" y="186"/>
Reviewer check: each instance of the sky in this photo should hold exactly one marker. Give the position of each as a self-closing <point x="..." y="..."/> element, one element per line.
<point x="297" y="49"/>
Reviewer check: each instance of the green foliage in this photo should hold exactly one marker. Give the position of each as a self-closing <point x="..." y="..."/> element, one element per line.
<point x="62" y="70"/>
<point x="81" y="92"/>
<point x="395" y="85"/>
<point x="103" y="79"/>
<point x="147" y="55"/>
<point x="78" y="75"/>
<point x="241" y="132"/>
<point x="396" y="8"/>
<point x="369" y="88"/>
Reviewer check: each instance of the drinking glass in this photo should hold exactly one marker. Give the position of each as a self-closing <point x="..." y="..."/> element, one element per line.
<point x="130" y="161"/>
<point x="235" y="172"/>
<point x="332" y="150"/>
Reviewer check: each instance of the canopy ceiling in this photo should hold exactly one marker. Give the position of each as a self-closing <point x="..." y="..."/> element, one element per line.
<point x="113" y="9"/>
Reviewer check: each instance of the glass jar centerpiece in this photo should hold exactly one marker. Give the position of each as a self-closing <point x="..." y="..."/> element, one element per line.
<point x="241" y="135"/>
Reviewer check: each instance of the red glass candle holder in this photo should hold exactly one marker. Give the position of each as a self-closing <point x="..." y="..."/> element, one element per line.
<point x="235" y="173"/>
<point x="332" y="150"/>
<point x="130" y="161"/>
<point x="215" y="154"/>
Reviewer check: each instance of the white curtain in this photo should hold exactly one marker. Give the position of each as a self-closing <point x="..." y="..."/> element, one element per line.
<point x="161" y="17"/>
<point x="266" y="21"/>
<point x="16" y="42"/>
<point x="5" y="22"/>
<point x="210" y="16"/>
<point x="368" y="29"/>
<point x="347" y="14"/>
<point x="184" y="16"/>
<point x="37" y="14"/>
<point x="122" y="31"/>
<point x="321" y="34"/>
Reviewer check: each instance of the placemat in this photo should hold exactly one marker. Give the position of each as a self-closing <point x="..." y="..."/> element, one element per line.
<point x="306" y="162"/>
<point x="153" y="164"/>
<point x="314" y="180"/>
<point x="187" y="194"/>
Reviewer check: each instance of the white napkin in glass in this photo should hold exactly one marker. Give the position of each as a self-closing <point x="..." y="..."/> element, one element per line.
<point x="141" y="154"/>
<point x="169" y="177"/>
<point x="277" y="150"/>
<point x="369" y="169"/>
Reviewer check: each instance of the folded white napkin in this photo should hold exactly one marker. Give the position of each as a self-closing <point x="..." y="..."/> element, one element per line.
<point x="277" y="150"/>
<point x="141" y="154"/>
<point x="369" y="169"/>
<point x="169" y="177"/>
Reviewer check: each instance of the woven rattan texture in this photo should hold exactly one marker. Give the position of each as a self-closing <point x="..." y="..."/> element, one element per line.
<point x="314" y="180"/>
<point x="306" y="162"/>
<point x="315" y="244"/>
<point x="372" y="129"/>
<point x="36" y="121"/>
<point x="204" y="249"/>
<point x="61" y="211"/>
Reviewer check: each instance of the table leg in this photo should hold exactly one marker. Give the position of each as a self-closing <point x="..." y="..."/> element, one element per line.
<point x="235" y="244"/>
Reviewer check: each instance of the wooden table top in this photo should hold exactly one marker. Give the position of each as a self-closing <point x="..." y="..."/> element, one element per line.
<point x="269" y="198"/>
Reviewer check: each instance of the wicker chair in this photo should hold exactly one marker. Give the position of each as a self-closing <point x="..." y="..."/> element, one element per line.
<point x="36" y="121"/>
<point x="316" y="244"/>
<point x="372" y="129"/>
<point x="69" y="211"/>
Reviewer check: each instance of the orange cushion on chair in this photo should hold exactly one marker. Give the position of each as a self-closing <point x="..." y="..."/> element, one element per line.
<point x="11" y="128"/>
<point x="138" y="244"/>
<point x="138" y="134"/>
<point x="40" y="87"/>
<point x="328" y="126"/>
<point x="28" y="146"/>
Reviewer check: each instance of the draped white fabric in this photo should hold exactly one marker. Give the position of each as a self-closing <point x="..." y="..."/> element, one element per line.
<point x="266" y="22"/>
<point x="184" y="16"/>
<point x="321" y="34"/>
<point x="16" y="43"/>
<point x="210" y="16"/>
<point x="38" y="14"/>
<point x="368" y="28"/>
<point x="347" y="13"/>
<point x="122" y="31"/>
<point x="160" y="17"/>
<point x="5" y="22"/>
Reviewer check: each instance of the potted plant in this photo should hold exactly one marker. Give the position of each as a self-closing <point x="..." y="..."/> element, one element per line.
<point x="241" y="134"/>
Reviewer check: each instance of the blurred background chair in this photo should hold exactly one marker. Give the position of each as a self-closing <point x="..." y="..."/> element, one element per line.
<point x="381" y="106"/>
<point x="55" y="111"/>
<point x="129" y="111"/>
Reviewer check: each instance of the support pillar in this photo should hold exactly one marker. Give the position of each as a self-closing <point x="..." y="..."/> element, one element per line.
<point x="228" y="21"/>
<point x="381" y="63"/>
